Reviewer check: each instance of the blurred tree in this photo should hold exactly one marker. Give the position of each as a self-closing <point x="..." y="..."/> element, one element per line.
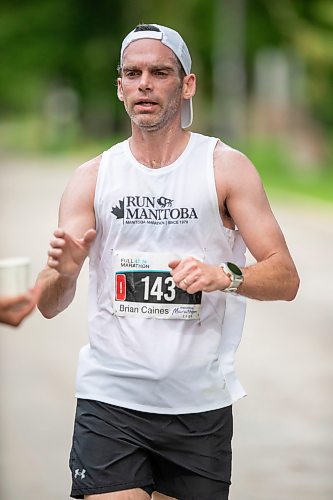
<point x="32" y="44"/>
<point x="307" y="25"/>
<point x="229" y="69"/>
<point x="75" y="43"/>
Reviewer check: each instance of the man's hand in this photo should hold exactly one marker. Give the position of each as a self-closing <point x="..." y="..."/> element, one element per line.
<point x="14" y="309"/>
<point x="194" y="276"/>
<point x="67" y="254"/>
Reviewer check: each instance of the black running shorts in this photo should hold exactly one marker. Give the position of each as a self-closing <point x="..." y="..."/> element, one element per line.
<point x="184" y="456"/>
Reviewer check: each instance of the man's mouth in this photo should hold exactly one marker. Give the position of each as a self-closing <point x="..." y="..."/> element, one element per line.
<point x="146" y="104"/>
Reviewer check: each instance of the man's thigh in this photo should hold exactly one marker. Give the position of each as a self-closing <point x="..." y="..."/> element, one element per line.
<point x="134" y="494"/>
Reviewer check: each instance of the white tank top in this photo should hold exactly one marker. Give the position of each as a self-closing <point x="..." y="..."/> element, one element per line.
<point x="152" y="346"/>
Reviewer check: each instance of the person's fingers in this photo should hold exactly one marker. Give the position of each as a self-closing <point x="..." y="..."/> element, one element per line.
<point x="183" y="284"/>
<point x="59" y="232"/>
<point x="55" y="252"/>
<point x="10" y="301"/>
<point x="15" y="309"/>
<point x="187" y="281"/>
<point x="51" y="262"/>
<point x="191" y="275"/>
<point x="16" y="317"/>
<point x="186" y="284"/>
<point x="61" y="238"/>
<point x="174" y="263"/>
<point x="57" y="242"/>
<point x="181" y="270"/>
<point x="89" y="236"/>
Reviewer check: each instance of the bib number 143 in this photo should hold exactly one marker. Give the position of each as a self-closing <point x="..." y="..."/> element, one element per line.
<point x="153" y="287"/>
<point x="163" y="289"/>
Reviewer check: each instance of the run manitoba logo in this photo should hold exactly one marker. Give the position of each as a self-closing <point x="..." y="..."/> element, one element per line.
<point x="152" y="210"/>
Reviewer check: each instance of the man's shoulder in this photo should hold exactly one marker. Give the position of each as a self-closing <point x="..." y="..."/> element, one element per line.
<point x="90" y="165"/>
<point x="231" y="160"/>
<point x="93" y="164"/>
<point x="233" y="169"/>
<point x="226" y="152"/>
<point x="85" y="175"/>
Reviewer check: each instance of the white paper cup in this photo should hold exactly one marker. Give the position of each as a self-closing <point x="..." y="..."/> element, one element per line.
<point x="14" y="275"/>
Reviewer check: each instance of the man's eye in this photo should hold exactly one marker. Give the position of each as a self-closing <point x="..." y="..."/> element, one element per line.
<point x="131" y="74"/>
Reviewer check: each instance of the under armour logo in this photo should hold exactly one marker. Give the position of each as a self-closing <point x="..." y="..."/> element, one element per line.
<point x="81" y="474"/>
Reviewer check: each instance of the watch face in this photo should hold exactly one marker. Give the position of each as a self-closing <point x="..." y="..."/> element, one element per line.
<point x="234" y="269"/>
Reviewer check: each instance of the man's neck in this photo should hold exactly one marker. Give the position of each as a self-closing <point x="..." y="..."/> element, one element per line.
<point x="159" y="148"/>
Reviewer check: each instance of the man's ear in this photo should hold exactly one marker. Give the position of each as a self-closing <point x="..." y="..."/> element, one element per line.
<point x="120" y="93"/>
<point x="189" y="86"/>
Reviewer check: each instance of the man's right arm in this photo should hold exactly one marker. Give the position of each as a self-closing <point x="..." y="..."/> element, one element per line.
<point x="71" y="242"/>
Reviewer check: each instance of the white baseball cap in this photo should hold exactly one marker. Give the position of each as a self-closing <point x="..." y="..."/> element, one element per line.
<point x="174" y="41"/>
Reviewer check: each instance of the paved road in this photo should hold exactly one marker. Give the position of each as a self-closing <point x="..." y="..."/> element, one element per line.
<point x="283" y="445"/>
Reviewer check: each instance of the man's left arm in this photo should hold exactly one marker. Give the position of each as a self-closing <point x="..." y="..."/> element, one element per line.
<point x="274" y="275"/>
<point x="242" y="196"/>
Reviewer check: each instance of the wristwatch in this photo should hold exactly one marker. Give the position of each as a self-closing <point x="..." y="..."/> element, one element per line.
<point x="234" y="273"/>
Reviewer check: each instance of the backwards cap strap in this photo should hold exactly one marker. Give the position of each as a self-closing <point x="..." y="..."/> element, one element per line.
<point x="157" y="35"/>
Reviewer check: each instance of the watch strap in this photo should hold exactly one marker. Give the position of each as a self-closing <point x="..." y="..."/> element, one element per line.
<point x="236" y="278"/>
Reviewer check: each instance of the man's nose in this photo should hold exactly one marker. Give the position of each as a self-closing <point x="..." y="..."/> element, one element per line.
<point x="145" y="82"/>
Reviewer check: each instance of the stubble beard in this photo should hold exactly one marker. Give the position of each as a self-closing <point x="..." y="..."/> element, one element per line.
<point x="154" y="122"/>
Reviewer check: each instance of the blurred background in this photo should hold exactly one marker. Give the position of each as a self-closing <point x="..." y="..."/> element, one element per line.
<point x="265" y="86"/>
<point x="265" y="72"/>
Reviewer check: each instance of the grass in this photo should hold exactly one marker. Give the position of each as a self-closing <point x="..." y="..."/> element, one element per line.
<point x="280" y="172"/>
<point x="29" y="137"/>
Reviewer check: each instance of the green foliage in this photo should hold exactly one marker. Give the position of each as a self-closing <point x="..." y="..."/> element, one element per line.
<point x="281" y="174"/>
<point x="75" y="43"/>
<point x="307" y="27"/>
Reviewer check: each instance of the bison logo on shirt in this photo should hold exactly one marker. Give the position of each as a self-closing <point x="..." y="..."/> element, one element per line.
<point x="164" y="202"/>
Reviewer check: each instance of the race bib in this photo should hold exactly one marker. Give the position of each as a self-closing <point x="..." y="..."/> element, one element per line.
<point x="144" y="287"/>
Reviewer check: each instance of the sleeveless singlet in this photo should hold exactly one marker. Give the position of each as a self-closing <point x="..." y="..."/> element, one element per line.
<point x="153" y="347"/>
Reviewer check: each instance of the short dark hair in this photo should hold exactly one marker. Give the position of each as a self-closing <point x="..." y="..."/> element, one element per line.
<point x="146" y="27"/>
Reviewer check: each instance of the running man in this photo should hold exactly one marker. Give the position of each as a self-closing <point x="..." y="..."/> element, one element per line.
<point x="165" y="217"/>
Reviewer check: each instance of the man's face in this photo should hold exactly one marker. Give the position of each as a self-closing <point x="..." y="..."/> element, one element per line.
<point x="150" y="85"/>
